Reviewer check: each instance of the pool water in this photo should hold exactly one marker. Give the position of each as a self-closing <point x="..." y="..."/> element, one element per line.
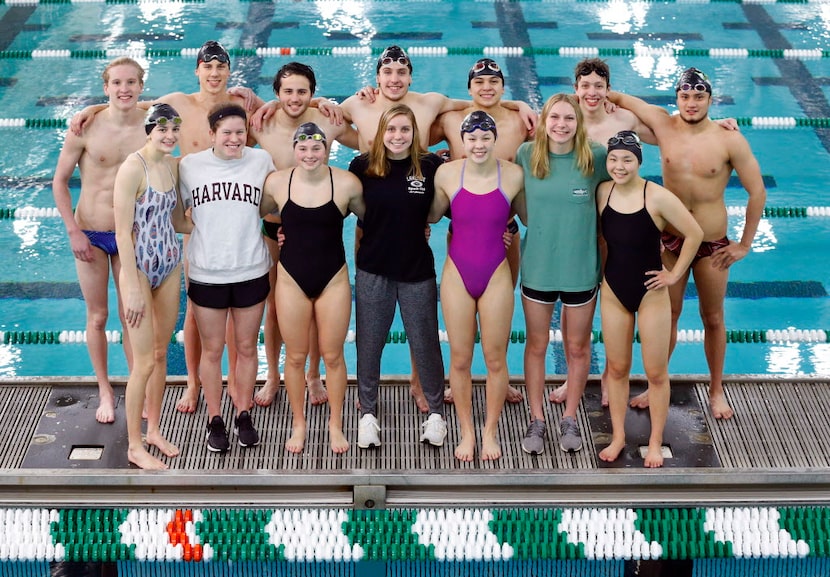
<point x="780" y="285"/>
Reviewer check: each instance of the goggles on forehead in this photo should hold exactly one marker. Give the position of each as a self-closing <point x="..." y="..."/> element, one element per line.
<point x="387" y="60"/>
<point x="698" y="87"/>
<point x="628" y="140"/>
<point x="220" y="56"/>
<point x="485" y="124"/>
<point x="489" y="64"/>
<point x="316" y="136"/>
<point x="164" y="121"/>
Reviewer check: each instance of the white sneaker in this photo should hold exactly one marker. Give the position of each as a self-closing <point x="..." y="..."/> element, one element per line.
<point x="368" y="432"/>
<point x="435" y="430"/>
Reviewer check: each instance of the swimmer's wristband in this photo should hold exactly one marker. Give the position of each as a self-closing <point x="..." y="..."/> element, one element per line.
<point x="512" y="226"/>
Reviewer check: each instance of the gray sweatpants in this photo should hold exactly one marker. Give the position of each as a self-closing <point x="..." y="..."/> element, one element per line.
<point x="375" y="300"/>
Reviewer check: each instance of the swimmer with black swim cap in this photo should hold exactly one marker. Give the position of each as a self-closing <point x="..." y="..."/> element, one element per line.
<point x="692" y="79"/>
<point x="212" y="50"/>
<point x="160" y="115"/>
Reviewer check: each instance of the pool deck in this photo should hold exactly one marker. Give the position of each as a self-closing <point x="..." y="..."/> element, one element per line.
<point x="55" y="454"/>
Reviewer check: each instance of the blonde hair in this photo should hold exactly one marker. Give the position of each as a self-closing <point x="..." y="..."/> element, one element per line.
<point x="123" y="60"/>
<point x="378" y="162"/>
<point x="539" y="155"/>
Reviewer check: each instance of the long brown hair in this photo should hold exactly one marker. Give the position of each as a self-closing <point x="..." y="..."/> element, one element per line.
<point x="378" y="162"/>
<point x="539" y="156"/>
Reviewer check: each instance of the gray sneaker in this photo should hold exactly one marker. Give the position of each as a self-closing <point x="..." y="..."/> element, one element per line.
<point x="570" y="438"/>
<point x="534" y="440"/>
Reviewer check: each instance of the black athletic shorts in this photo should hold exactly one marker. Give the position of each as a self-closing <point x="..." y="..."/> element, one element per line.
<point x="235" y="295"/>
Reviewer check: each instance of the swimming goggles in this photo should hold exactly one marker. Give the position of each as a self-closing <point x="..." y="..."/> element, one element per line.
<point x="163" y="120"/>
<point x="485" y="124"/>
<point x="220" y="56"/>
<point x="387" y="60"/>
<point x="316" y="136"/>
<point x="489" y="64"/>
<point x="699" y="87"/>
<point x="628" y="140"/>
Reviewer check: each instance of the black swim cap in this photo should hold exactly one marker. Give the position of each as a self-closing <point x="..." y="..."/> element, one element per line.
<point x="212" y="50"/>
<point x="394" y="54"/>
<point x="693" y="79"/>
<point x="478" y="120"/>
<point x="160" y="114"/>
<point x="309" y="131"/>
<point x="484" y="67"/>
<point x="627" y="140"/>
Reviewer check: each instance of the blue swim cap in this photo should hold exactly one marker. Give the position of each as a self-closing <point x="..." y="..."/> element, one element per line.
<point x="478" y="120"/>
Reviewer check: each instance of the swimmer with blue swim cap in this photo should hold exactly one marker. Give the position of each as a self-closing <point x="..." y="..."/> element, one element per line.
<point x="160" y="115"/>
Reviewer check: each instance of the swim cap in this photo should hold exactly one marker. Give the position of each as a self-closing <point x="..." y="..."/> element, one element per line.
<point x="212" y="50"/>
<point x="627" y="140"/>
<point x="160" y="114"/>
<point x="309" y="131"/>
<point x="394" y="54"/>
<point x="478" y="120"/>
<point x="484" y="67"/>
<point x="693" y="79"/>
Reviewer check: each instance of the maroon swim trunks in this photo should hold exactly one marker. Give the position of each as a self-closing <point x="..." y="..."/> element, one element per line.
<point x="673" y="244"/>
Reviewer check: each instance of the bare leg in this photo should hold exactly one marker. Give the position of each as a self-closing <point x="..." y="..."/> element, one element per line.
<point x="711" y="285"/>
<point x="459" y="316"/>
<point x="416" y="391"/>
<point x="192" y="354"/>
<point x="273" y="340"/>
<point x="495" y="309"/>
<point x="93" y="278"/>
<point x="317" y="393"/>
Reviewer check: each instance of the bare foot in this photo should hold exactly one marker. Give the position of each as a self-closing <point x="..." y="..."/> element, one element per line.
<point x="490" y="449"/>
<point x="417" y="393"/>
<point x="720" y="407"/>
<point x="610" y="453"/>
<point x="448" y="396"/>
<point x="296" y="441"/>
<point x="267" y="393"/>
<point x="640" y="401"/>
<point x="514" y="395"/>
<point x="559" y="394"/>
<point x="106" y="408"/>
<point x="466" y="449"/>
<point x="317" y="393"/>
<point x="654" y="457"/>
<point x="189" y="400"/>
<point x="144" y="460"/>
<point x="339" y="443"/>
<point x="163" y="445"/>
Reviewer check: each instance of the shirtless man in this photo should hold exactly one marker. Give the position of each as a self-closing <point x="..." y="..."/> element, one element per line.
<point x="485" y="83"/>
<point x="213" y="69"/>
<point x="98" y="153"/>
<point x="294" y="86"/>
<point x="697" y="158"/>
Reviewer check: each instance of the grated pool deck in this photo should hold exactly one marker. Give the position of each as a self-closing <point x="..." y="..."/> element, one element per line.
<point x="770" y="452"/>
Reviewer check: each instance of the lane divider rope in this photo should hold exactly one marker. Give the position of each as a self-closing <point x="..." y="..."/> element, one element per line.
<point x="757" y="122"/>
<point x="770" y="336"/>
<point x="436" y="51"/>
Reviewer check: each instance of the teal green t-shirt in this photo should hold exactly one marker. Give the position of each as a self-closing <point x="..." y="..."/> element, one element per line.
<point x="559" y="249"/>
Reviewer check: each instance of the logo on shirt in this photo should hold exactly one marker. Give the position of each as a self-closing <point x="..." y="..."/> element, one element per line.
<point x="415" y="185"/>
<point x="579" y="193"/>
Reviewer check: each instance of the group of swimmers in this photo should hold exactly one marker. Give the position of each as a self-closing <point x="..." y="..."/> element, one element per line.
<point x="573" y="181"/>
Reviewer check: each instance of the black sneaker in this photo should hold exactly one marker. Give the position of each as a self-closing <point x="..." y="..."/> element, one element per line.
<point x="244" y="430"/>
<point x="217" y="435"/>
